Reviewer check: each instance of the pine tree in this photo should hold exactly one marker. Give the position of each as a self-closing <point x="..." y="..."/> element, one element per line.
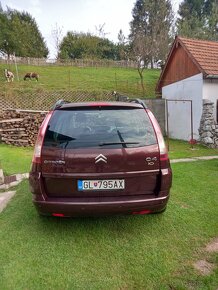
<point x="212" y="22"/>
<point x="150" y="32"/>
<point x="151" y="29"/>
<point x="198" y="19"/>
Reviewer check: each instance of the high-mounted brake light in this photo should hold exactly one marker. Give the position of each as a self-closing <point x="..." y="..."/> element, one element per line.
<point x="99" y="104"/>
<point x="40" y="138"/>
<point x="162" y="147"/>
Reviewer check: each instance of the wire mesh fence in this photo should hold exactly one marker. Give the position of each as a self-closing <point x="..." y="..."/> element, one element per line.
<point x="44" y="100"/>
<point x="70" y="78"/>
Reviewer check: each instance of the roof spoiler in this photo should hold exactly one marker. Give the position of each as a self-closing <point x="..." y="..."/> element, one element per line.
<point x="61" y="102"/>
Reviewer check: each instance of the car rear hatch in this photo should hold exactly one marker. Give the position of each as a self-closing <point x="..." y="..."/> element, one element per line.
<point x="100" y="151"/>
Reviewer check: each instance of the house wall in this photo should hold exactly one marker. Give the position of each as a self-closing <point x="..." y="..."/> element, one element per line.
<point x="179" y="113"/>
<point x="210" y="92"/>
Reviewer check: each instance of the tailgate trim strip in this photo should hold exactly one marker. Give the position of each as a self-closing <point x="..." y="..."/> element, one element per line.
<point x="104" y="202"/>
<point x="115" y="174"/>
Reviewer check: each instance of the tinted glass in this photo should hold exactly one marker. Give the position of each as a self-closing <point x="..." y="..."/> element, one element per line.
<point x="108" y="128"/>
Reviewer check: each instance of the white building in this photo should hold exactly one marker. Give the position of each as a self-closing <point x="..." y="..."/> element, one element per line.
<point x="190" y="74"/>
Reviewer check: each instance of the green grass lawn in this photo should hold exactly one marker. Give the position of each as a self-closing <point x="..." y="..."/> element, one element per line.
<point x="120" y="252"/>
<point x="15" y="159"/>
<point x="54" y="78"/>
<point x="182" y="149"/>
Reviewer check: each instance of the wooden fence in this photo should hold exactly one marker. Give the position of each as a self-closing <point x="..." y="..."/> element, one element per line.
<point x="70" y="62"/>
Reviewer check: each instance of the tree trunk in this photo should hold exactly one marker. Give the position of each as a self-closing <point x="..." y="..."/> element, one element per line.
<point x="140" y="71"/>
<point x="152" y="63"/>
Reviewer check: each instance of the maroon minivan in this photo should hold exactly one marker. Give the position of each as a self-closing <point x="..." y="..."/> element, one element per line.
<point x="100" y="158"/>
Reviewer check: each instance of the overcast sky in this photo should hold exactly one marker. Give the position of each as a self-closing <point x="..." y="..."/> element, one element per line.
<point x="78" y="15"/>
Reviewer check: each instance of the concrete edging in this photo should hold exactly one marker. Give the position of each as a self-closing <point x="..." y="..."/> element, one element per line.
<point x="1" y="176"/>
<point x="19" y="178"/>
<point x="194" y="159"/>
<point x="5" y="197"/>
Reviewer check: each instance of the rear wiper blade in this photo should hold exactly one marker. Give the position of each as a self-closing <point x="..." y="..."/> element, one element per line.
<point x="115" y="143"/>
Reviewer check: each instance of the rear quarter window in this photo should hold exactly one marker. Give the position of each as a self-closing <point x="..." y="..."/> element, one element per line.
<point x="109" y="127"/>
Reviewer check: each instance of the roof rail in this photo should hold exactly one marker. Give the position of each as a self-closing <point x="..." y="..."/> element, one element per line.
<point x="59" y="103"/>
<point x="122" y="98"/>
<point x="138" y="101"/>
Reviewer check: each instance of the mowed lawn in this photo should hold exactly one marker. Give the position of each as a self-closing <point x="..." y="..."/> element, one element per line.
<point x="61" y="78"/>
<point x="120" y="252"/>
<point x="182" y="149"/>
<point x="15" y="159"/>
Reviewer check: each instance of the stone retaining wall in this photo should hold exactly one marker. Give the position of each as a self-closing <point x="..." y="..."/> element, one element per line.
<point x="208" y="130"/>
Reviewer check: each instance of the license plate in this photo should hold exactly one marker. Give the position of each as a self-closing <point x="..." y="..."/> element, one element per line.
<point x="114" y="184"/>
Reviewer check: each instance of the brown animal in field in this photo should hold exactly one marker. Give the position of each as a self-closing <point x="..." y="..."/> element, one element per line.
<point x="9" y="75"/>
<point x="31" y="75"/>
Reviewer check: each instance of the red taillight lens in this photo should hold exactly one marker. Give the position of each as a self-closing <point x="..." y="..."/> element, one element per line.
<point x="164" y="159"/>
<point x="58" y="214"/>
<point x="40" y="138"/>
<point x="142" y="212"/>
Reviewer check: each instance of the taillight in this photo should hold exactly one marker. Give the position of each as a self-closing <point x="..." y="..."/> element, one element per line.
<point x="146" y="211"/>
<point x="58" y="214"/>
<point x="40" y="138"/>
<point x="164" y="158"/>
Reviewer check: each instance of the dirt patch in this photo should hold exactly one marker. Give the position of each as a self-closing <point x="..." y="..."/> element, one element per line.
<point x="184" y="206"/>
<point x="212" y="246"/>
<point x="9" y="179"/>
<point x="204" y="267"/>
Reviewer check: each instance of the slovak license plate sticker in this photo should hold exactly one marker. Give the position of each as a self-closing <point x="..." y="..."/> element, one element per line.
<point x="113" y="184"/>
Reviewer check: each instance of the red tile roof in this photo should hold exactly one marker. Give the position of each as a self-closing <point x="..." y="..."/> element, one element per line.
<point x="204" y="53"/>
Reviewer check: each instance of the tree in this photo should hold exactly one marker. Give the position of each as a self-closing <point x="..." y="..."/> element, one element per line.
<point x="122" y="46"/>
<point x="84" y="45"/>
<point x="20" y="34"/>
<point x="150" y="29"/>
<point x="100" y="32"/>
<point x="57" y="34"/>
<point x="212" y="21"/>
<point x="198" y="19"/>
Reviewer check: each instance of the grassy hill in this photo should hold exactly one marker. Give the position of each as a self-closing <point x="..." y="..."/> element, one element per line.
<point x="61" y="78"/>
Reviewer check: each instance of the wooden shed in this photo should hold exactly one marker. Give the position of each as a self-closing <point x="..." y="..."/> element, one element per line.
<point x="190" y="73"/>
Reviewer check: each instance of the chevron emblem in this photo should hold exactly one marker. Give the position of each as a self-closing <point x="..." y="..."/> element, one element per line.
<point x="100" y="157"/>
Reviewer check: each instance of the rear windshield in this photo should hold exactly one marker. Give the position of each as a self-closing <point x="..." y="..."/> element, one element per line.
<point x="106" y="127"/>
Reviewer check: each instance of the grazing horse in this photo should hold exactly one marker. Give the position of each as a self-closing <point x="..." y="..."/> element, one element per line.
<point x="31" y="75"/>
<point x="9" y="75"/>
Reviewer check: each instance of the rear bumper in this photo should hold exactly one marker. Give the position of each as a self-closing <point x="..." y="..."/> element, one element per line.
<point x="101" y="207"/>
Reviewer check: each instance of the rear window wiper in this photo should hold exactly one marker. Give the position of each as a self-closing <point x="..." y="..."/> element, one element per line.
<point x="117" y="143"/>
